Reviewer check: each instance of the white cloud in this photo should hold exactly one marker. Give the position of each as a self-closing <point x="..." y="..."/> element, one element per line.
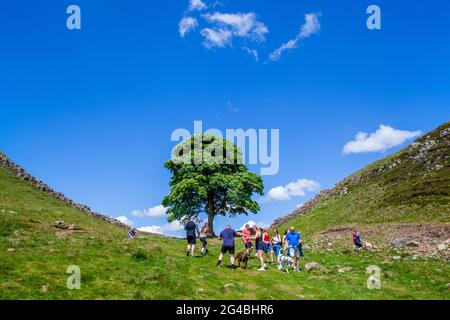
<point x="197" y="5"/>
<point x="125" y="220"/>
<point x="298" y="188"/>
<point x="155" y="212"/>
<point x="384" y="138"/>
<point x="216" y="38"/>
<point x="186" y="25"/>
<point x="252" y="52"/>
<point x="310" y="27"/>
<point x="164" y="229"/>
<point x="244" y="25"/>
<point x="252" y="223"/>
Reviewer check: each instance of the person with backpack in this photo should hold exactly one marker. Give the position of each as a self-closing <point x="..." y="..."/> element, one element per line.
<point x="191" y="235"/>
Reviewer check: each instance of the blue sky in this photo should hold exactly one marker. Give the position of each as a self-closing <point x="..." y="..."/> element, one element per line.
<point x="91" y="111"/>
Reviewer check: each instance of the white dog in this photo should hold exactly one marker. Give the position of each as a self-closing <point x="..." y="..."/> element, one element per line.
<point x="286" y="262"/>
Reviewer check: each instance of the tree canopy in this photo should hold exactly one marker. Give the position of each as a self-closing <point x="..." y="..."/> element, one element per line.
<point x="208" y="177"/>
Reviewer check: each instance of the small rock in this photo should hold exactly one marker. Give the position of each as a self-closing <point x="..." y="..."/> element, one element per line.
<point x="448" y="285"/>
<point x="73" y="227"/>
<point x="313" y="266"/>
<point x="11" y="250"/>
<point x="442" y="246"/>
<point x="345" y="270"/>
<point x="44" y="289"/>
<point x="201" y="290"/>
<point x="397" y="258"/>
<point x="398" y="243"/>
<point x="413" y="244"/>
<point x="229" y="286"/>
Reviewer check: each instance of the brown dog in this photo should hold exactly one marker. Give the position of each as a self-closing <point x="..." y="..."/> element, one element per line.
<point x="242" y="258"/>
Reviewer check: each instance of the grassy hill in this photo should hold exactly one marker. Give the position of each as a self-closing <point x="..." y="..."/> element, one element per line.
<point x="35" y="254"/>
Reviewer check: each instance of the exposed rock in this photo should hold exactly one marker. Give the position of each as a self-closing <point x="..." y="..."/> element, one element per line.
<point x="73" y="227"/>
<point x="229" y="286"/>
<point x="345" y="270"/>
<point x="413" y="244"/>
<point x="313" y="266"/>
<point x="398" y="243"/>
<point x="442" y="246"/>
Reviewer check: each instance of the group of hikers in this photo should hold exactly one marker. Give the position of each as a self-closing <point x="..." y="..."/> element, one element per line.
<point x="285" y="248"/>
<point x="253" y="238"/>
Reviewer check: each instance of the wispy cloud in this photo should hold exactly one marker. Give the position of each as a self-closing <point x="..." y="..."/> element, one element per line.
<point x="252" y="52"/>
<point x="297" y="188"/>
<point x="231" y="107"/>
<point x="384" y="138"/>
<point x="155" y="212"/>
<point x="216" y="38"/>
<point x="310" y="27"/>
<point x="197" y="5"/>
<point x="186" y="25"/>
<point x="245" y="25"/>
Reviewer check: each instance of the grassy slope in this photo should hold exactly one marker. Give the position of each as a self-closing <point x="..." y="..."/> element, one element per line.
<point x="390" y="197"/>
<point x="154" y="267"/>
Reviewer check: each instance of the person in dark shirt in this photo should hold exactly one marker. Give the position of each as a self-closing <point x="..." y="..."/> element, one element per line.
<point x="191" y="234"/>
<point x="228" y="236"/>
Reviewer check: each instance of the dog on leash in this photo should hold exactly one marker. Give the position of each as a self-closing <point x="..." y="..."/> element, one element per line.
<point x="286" y="262"/>
<point x="242" y="258"/>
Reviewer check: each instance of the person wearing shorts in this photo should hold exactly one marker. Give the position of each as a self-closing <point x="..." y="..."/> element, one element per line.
<point x="293" y="242"/>
<point x="268" y="250"/>
<point x="246" y="239"/>
<point x="204" y="232"/>
<point x="276" y="242"/>
<point x="191" y="236"/>
<point x="260" y="247"/>
<point x="229" y="244"/>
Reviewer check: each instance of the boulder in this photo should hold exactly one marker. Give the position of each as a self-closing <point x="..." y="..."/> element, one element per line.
<point x="398" y="243"/>
<point x="313" y="266"/>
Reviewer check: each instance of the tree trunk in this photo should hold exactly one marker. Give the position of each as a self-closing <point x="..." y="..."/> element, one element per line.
<point x="211" y="214"/>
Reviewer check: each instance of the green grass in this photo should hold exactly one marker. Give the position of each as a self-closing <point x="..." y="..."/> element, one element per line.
<point x="153" y="267"/>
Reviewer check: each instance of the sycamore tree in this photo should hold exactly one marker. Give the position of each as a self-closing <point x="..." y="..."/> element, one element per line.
<point x="208" y="176"/>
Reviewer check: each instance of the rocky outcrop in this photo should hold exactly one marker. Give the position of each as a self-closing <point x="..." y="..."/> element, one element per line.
<point x="18" y="171"/>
